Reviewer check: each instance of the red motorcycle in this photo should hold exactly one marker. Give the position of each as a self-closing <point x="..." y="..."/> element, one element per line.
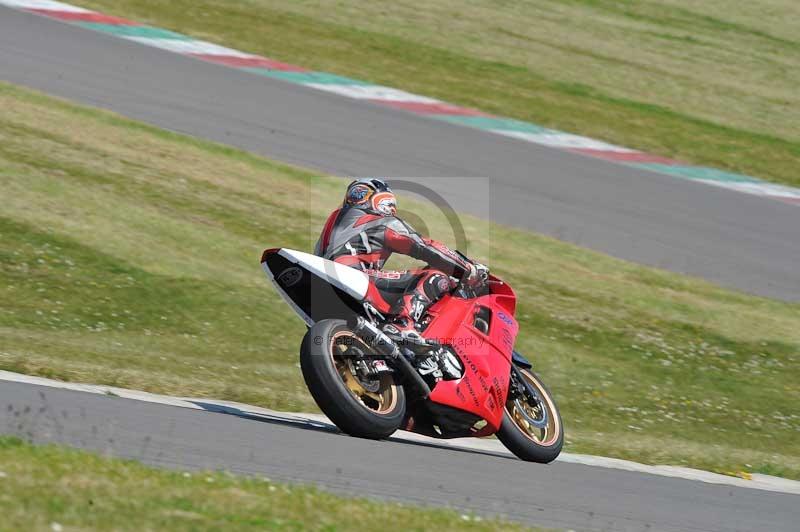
<point x="459" y="377"/>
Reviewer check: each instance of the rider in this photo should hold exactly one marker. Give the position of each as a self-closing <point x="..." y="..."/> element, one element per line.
<point x="365" y="231"/>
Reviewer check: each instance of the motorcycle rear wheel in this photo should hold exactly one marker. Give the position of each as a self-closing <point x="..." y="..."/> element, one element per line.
<point x="371" y="408"/>
<point x="529" y="432"/>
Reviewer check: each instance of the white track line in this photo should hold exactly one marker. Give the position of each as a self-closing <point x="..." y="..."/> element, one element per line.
<point x="372" y="92"/>
<point x="761" y="482"/>
<point x="189" y="46"/>
<point x="50" y="5"/>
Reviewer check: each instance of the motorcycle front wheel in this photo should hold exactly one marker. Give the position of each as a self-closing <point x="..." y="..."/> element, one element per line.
<point x="532" y="430"/>
<point x="364" y="407"/>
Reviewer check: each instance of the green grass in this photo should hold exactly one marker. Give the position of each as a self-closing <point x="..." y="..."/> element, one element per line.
<point x="129" y="256"/>
<point x="42" y="488"/>
<point x="713" y="83"/>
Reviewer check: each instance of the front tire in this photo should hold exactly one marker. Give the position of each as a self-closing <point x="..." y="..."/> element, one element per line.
<point x="371" y="409"/>
<point x="534" y="433"/>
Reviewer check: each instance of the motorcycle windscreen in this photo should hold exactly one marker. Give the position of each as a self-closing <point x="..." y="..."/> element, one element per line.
<point x="309" y="285"/>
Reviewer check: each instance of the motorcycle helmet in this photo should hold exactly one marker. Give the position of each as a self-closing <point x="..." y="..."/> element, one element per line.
<point x="371" y="195"/>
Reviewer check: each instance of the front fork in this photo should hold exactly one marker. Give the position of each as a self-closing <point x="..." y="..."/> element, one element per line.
<point x="521" y="389"/>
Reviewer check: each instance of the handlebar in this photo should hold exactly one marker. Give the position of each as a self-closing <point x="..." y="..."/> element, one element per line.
<point x="470" y="292"/>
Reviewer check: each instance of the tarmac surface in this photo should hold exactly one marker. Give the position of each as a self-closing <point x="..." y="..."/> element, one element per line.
<point x="560" y="495"/>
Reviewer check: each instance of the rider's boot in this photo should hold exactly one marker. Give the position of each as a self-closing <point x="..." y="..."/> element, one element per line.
<point x="424" y="356"/>
<point x="403" y="329"/>
<point x="403" y="332"/>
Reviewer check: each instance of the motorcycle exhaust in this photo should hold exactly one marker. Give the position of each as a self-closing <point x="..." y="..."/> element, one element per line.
<point x="384" y="345"/>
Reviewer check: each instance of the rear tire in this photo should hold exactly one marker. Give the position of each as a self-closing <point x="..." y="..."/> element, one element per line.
<point x="527" y="442"/>
<point x="337" y="390"/>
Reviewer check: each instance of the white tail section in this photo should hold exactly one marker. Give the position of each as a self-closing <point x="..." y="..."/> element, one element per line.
<point x="352" y="281"/>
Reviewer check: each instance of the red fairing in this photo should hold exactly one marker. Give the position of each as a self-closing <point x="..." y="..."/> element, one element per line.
<point x="487" y="358"/>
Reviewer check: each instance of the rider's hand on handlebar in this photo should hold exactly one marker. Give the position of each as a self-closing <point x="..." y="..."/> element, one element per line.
<point x="483" y="271"/>
<point x="473" y="277"/>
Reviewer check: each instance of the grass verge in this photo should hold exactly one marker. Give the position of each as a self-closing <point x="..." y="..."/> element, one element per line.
<point x="129" y="256"/>
<point x="705" y="82"/>
<point x="54" y="488"/>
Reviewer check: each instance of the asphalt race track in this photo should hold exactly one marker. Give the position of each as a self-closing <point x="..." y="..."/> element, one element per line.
<point x="567" y="496"/>
<point x="734" y="239"/>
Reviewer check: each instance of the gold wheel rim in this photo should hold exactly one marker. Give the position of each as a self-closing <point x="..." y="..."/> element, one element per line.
<point x="380" y="401"/>
<point x="544" y="436"/>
